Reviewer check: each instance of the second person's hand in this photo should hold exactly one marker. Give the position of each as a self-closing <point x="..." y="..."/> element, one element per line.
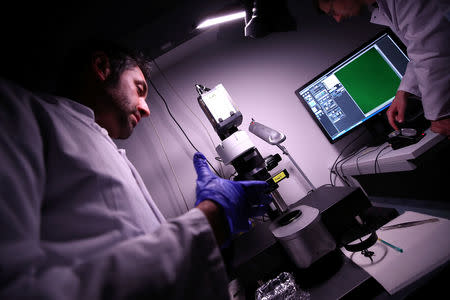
<point x="396" y="112"/>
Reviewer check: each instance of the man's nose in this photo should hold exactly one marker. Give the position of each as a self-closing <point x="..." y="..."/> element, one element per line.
<point x="143" y="108"/>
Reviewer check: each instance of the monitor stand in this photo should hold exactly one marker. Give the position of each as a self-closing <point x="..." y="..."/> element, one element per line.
<point x="379" y="128"/>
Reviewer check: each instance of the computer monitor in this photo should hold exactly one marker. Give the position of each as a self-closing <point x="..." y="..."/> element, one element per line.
<point x="357" y="88"/>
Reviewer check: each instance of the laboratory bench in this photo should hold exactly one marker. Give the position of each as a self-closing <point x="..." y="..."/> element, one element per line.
<point x="419" y="172"/>
<point x="383" y="159"/>
<point x="256" y="257"/>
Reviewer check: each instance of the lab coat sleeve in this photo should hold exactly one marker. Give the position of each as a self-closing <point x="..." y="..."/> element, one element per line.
<point x="427" y="33"/>
<point x="180" y="260"/>
<point x="409" y="81"/>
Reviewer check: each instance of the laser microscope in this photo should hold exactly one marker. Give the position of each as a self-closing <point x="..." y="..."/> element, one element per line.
<point x="300" y="230"/>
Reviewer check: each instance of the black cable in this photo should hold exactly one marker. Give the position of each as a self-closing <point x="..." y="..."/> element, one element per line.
<point x="338" y="174"/>
<point x="357" y="159"/>
<point x="376" y="159"/>
<point x="178" y="95"/>
<point x="355" y="154"/>
<point x="341" y="174"/>
<point x="179" y="126"/>
<point x="342" y="152"/>
<point x="344" y="160"/>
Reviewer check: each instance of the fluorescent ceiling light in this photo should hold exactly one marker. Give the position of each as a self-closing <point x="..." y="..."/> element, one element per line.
<point x="222" y="19"/>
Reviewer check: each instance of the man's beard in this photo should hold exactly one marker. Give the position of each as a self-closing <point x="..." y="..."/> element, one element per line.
<point x="125" y="125"/>
<point x="124" y="109"/>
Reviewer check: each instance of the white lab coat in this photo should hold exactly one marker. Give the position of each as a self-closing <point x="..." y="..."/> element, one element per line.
<point x="77" y="221"/>
<point x="424" y="27"/>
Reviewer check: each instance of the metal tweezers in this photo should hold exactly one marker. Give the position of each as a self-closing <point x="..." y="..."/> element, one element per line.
<point x="408" y="224"/>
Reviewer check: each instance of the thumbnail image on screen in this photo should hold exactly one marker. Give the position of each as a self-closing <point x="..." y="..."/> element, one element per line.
<point x="356" y="88"/>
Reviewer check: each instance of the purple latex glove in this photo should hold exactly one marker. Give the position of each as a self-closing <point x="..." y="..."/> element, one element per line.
<point x="239" y="199"/>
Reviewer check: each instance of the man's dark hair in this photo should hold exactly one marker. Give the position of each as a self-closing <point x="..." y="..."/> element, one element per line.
<point x="80" y="57"/>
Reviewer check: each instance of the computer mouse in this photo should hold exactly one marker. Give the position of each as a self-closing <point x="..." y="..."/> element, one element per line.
<point x="394" y="134"/>
<point x="408" y="132"/>
<point x="404" y="137"/>
<point x="403" y="132"/>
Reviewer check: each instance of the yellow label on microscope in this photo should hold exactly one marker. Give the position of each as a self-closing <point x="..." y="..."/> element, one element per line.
<point x="277" y="178"/>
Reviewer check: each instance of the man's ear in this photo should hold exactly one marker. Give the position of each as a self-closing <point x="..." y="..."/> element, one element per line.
<point x="101" y="65"/>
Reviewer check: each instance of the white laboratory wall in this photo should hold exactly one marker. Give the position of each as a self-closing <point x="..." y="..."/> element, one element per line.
<point x="261" y="76"/>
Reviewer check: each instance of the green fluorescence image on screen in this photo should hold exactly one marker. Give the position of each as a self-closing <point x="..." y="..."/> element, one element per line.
<point x="367" y="78"/>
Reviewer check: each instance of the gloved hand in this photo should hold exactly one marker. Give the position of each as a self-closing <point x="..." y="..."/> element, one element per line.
<point x="239" y="199"/>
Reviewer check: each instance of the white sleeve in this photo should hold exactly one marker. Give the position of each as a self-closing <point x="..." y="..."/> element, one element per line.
<point x="427" y="32"/>
<point x="178" y="261"/>
<point x="409" y="81"/>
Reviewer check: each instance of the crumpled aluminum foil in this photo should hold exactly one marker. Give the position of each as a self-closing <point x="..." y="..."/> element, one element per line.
<point x="282" y="287"/>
